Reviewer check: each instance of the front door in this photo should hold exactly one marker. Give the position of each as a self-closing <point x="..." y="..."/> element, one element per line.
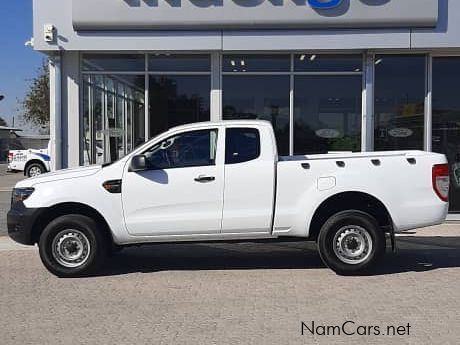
<point x="181" y="192"/>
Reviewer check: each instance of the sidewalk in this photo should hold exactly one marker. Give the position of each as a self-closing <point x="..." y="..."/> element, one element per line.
<point x="448" y="229"/>
<point x="7" y="244"/>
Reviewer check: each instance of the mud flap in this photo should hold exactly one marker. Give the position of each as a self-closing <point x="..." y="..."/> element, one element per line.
<point x="393" y="240"/>
<point x="389" y="231"/>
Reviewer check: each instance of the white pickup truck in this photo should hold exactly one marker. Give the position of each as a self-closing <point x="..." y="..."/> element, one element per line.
<point x="225" y="181"/>
<point x="32" y="162"/>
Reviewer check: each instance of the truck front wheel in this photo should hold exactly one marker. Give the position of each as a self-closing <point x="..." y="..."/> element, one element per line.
<point x="72" y="246"/>
<point x="351" y="242"/>
<point x="35" y="169"/>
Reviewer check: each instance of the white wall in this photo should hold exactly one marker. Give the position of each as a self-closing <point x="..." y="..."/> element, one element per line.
<point x="59" y="13"/>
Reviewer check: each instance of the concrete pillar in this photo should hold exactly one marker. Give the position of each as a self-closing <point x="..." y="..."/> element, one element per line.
<point x="71" y="123"/>
<point x="367" y="135"/>
<point x="55" y="69"/>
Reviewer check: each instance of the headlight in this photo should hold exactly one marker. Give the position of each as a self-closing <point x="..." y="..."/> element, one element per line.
<point x="21" y="194"/>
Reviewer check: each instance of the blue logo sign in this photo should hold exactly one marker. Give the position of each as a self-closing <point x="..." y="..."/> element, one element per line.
<point x="324" y="4"/>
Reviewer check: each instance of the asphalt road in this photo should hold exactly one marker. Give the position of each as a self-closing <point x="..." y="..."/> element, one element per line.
<point x="234" y="294"/>
<point x="7" y="182"/>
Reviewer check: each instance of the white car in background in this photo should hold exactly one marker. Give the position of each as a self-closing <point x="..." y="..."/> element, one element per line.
<point x="32" y="162"/>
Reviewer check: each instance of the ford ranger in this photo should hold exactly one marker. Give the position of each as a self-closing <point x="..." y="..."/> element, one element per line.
<point x="225" y="181"/>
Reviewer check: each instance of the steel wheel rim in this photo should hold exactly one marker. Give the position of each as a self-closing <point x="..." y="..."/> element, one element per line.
<point x="35" y="171"/>
<point x="71" y="248"/>
<point x="352" y="244"/>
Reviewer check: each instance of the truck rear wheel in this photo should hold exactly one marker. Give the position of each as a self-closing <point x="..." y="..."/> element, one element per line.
<point x="351" y="242"/>
<point x="35" y="169"/>
<point x="72" y="246"/>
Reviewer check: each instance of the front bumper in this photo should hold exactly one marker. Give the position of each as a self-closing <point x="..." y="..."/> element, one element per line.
<point x="21" y="220"/>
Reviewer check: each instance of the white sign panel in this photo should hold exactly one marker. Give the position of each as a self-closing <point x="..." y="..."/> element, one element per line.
<point x="208" y="14"/>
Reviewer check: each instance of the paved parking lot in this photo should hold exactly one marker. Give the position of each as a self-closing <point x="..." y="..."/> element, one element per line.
<point x="235" y="294"/>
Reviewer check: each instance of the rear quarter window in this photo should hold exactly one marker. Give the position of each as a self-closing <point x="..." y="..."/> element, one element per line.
<point x="241" y="145"/>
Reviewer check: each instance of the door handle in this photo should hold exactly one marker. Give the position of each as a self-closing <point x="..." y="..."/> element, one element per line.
<point x="204" y="178"/>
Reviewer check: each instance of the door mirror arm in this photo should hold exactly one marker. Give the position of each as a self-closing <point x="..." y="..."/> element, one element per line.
<point x="138" y="163"/>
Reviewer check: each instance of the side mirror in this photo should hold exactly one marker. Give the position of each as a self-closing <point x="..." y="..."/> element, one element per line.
<point x="138" y="163"/>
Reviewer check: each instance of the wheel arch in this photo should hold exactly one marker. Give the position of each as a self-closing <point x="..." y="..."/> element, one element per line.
<point x="33" y="161"/>
<point x="62" y="209"/>
<point x="350" y="201"/>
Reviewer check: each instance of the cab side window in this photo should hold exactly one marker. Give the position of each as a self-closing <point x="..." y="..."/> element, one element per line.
<point x="189" y="149"/>
<point x="241" y="145"/>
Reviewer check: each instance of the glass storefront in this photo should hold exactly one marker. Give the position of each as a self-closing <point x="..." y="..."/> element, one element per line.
<point x="313" y="100"/>
<point x="113" y="62"/>
<point x="254" y="89"/>
<point x="399" y="107"/>
<point x="327" y="98"/>
<point x="328" y="63"/>
<point x="179" y="90"/>
<point x="327" y="103"/>
<point x="446" y="120"/>
<point x="264" y="97"/>
<point x="113" y="99"/>
<point x="177" y="100"/>
<point x="327" y="114"/>
<point x="113" y="116"/>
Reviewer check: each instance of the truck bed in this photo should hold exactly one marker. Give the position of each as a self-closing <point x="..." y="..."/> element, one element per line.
<point x="401" y="180"/>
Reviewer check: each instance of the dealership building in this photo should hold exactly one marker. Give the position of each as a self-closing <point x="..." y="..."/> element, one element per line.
<point x="331" y="75"/>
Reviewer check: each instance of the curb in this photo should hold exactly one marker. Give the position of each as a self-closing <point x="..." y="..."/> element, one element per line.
<point x="7" y="244"/>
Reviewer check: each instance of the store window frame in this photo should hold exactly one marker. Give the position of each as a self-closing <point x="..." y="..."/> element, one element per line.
<point x="429" y="95"/>
<point x="89" y="82"/>
<point x="429" y="105"/>
<point x="174" y="73"/>
<point x="215" y="65"/>
<point x="216" y="74"/>
<point x="292" y="74"/>
<point x="370" y="88"/>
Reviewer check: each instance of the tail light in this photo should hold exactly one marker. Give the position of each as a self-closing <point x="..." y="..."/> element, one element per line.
<point x="441" y="181"/>
<point x="10" y="157"/>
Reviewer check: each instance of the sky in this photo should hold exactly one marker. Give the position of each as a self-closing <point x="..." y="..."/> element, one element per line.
<point x="18" y="63"/>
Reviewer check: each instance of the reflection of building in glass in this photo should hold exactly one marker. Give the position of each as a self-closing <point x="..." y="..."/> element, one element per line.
<point x="113" y="117"/>
<point x="177" y="100"/>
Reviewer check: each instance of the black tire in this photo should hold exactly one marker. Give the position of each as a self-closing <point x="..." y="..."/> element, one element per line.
<point x="35" y="167"/>
<point x="69" y="225"/>
<point x="338" y="224"/>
